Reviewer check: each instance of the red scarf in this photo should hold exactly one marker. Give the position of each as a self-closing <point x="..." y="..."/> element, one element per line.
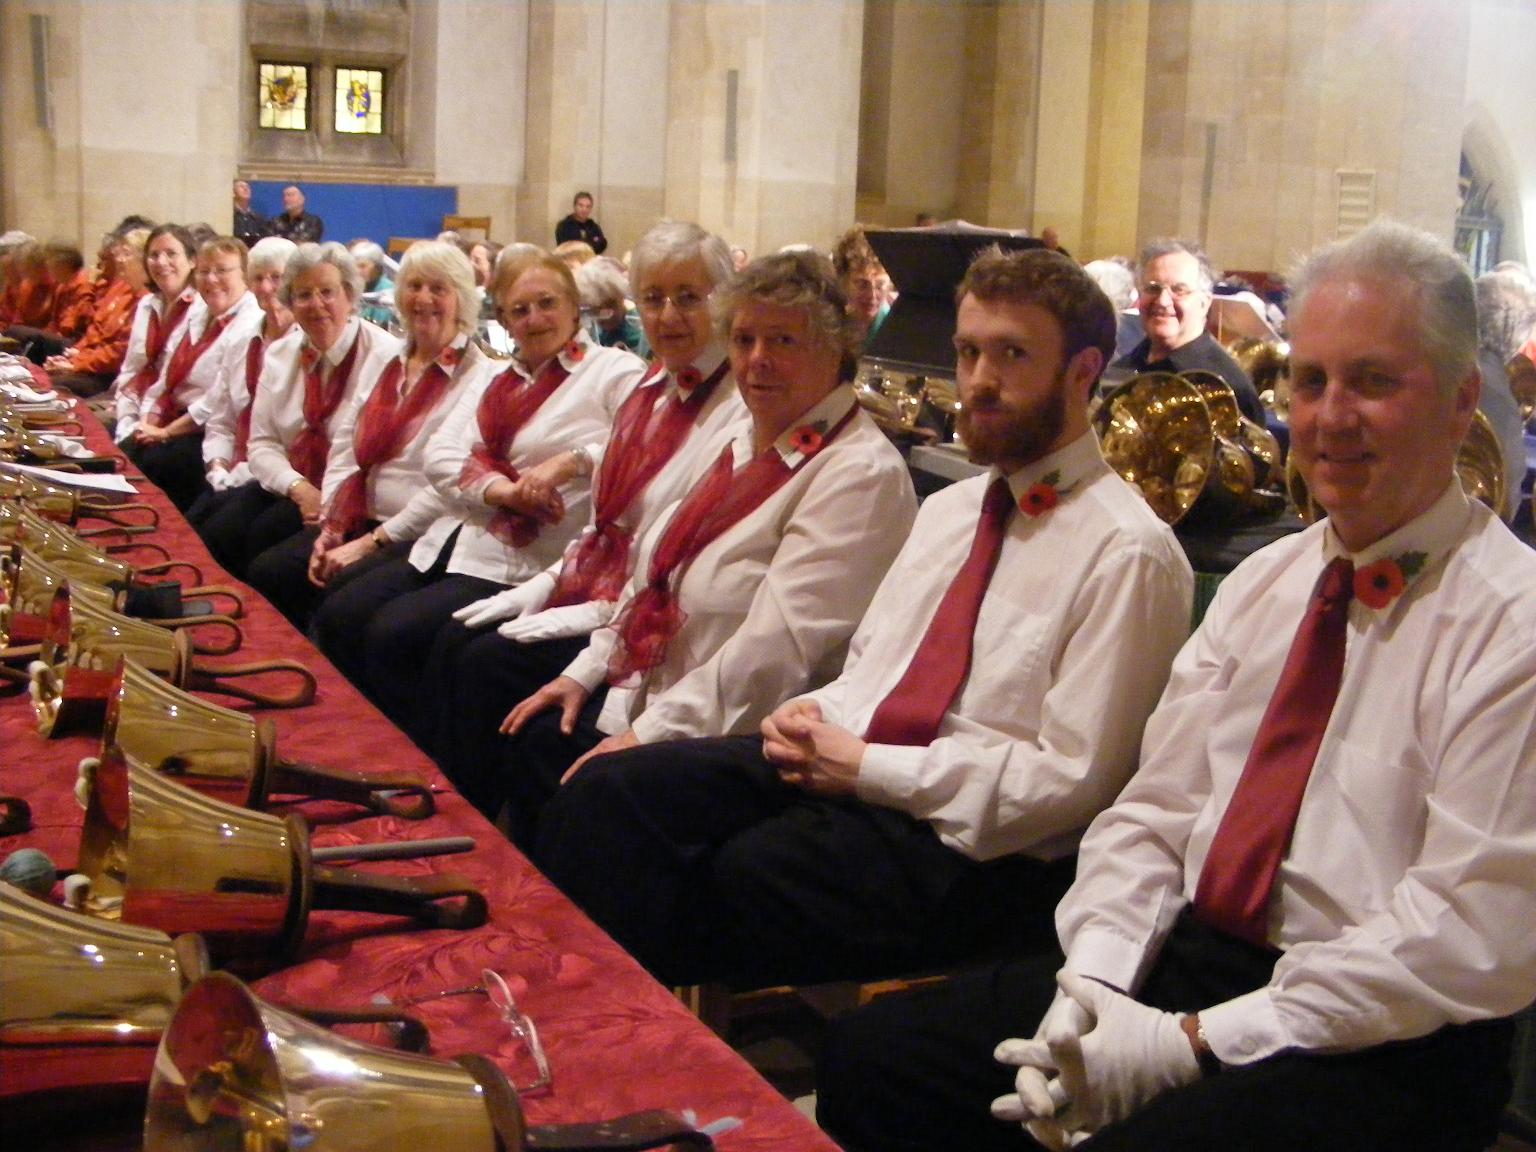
<point x="509" y="402"/>
<point x="159" y="332"/>
<point x="183" y="360"/>
<point x="719" y="501"/>
<point x="641" y="445"/>
<point x="384" y="427"/>
<point x="321" y="399"/>
<point x="255" y="354"/>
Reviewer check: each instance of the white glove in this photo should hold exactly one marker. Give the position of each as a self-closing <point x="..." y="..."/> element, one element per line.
<point x="224" y="479"/>
<point x="1129" y="1055"/>
<point x="559" y="623"/>
<point x="1036" y="1099"/>
<point x="528" y="596"/>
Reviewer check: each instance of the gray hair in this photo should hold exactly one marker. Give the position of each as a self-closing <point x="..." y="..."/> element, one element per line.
<point x="270" y="254"/>
<point x="675" y="242"/>
<point x="1170" y="246"/>
<point x="800" y="279"/>
<point x="369" y="251"/>
<point x="1115" y="281"/>
<point x="515" y="252"/>
<point x="308" y="257"/>
<point x="1506" y="312"/>
<point x="440" y="260"/>
<point x="601" y="284"/>
<point x="1389" y="250"/>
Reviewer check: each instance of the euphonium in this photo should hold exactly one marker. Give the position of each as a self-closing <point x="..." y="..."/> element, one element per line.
<point x="82" y="642"/>
<point x="83" y="1000"/>
<point x="235" y="1074"/>
<point x="233" y="756"/>
<point x="160" y="855"/>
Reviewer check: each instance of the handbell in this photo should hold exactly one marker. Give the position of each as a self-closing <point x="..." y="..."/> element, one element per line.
<point x="235" y="1074"/>
<point x="160" y="855"/>
<point x="78" y="655"/>
<point x="81" y="999"/>
<point x="70" y="505"/>
<point x="233" y="756"/>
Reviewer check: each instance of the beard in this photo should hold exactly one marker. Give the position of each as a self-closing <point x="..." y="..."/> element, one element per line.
<point x="1014" y="435"/>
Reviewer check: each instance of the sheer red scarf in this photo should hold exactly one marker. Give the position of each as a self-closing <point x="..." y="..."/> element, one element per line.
<point x="719" y="501"/>
<point x="159" y="331"/>
<point x="255" y="354"/>
<point x="509" y="403"/>
<point x="321" y="399"/>
<point x="188" y="352"/>
<point x="385" y="426"/>
<point x="642" y="443"/>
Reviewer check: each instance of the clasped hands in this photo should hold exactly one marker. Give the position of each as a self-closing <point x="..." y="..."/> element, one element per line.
<point x="810" y="753"/>
<point x="535" y="492"/>
<point x="1097" y="1057"/>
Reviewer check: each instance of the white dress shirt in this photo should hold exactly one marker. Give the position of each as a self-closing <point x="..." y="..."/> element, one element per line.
<point x="202" y="380"/>
<point x="1407" y="897"/>
<point x="398" y="492"/>
<point x="125" y="404"/>
<point x="228" y="401"/>
<point x="577" y="415"/>
<point x="772" y="601"/>
<point x="277" y="413"/>
<point x="1085" y="610"/>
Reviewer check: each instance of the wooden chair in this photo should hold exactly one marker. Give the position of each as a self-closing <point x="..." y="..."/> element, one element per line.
<point x="398" y="244"/>
<point x="462" y="224"/>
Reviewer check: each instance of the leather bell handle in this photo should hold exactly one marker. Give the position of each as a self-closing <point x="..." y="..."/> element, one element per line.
<point x="406" y="1032"/>
<point x="437" y="901"/>
<point x="386" y="793"/>
<point x="169" y="566"/>
<point x="206" y="678"/>
<point x="201" y="645"/>
<point x="137" y="545"/>
<point x="213" y="592"/>
<point x="115" y="529"/>
<point x="654" y="1129"/>
<point x="96" y="508"/>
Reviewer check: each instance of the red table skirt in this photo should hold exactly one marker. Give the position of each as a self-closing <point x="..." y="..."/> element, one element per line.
<point x="618" y="1041"/>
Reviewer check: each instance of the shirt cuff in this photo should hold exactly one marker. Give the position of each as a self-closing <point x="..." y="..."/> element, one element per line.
<point x="888" y="774"/>
<point x="1107" y="957"/>
<point x="587" y="671"/>
<point x="1245" y="1029"/>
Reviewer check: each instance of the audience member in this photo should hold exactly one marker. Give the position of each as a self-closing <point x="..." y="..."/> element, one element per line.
<point x="580" y="225"/>
<point x="864" y="282"/>
<point x="1506" y="315"/>
<point x="249" y="225"/>
<point x="377" y="303"/>
<point x="610" y="318"/>
<point x="294" y="222"/>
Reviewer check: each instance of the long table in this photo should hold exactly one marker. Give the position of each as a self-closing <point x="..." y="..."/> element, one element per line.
<point x="618" y="1041"/>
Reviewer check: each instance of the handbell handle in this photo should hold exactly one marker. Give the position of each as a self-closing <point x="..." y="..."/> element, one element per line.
<point x="387" y="793"/>
<point x="137" y="545"/>
<point x="214" y="591"/>
<point x="201" y="645"/>
<point x="170" y="566"/>
<point x="97" y="508"/>
<point x="206" y="678"/>
<point x="406" y="1032"/>
<point x="437" y="901"/>
<point x="116" y="528"/>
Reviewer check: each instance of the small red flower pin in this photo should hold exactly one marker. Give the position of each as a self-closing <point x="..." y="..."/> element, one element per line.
<point x="1041" y="497"/>
<point x="1378" y="584"/>
<point x="309" y="358"/>
<point x="688" y="379"/>
<point x="449" y="356"/>
<point x="574" y="352"/>
<point x="806" y="440"/>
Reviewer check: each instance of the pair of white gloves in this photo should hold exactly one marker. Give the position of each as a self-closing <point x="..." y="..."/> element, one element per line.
<point x="1097" y="1057"/>
<point x="521" y="608"/>
<point x="223" y="479"/>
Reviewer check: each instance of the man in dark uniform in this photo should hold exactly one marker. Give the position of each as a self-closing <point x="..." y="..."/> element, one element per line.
<point x="579" y="225"/>
<point x="296" y="224"/>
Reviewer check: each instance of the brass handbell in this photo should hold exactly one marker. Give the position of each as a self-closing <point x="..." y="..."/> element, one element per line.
<point x="22" y="445"/>
<point x="70" y="505"/>
<point x="160" y="855"/>
<point x="232" y="756"/>
<point x="80" y="647"/>
<point x="83" y="1000"/>
<point x="235" y="1074"/>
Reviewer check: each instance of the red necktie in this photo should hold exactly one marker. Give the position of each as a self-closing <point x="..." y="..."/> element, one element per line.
<point x="914" y="708"/>
<point x="1255" y="831"/>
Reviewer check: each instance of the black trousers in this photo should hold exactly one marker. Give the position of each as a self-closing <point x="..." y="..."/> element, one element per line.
<point x="175" y="467"/>
<point x="84" y="384"/>
<point x="239" y="524"/>
<point x="696" y="857"/>
<point x="909" y="1073"/>
<point x="465" y="727"/>
<point x="378" y="628"/>
<point x="37" y="344"/>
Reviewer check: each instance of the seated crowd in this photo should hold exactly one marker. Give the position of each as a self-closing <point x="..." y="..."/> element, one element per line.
<point x="678" y="624"/>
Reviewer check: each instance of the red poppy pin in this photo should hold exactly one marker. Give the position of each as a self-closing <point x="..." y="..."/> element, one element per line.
<point x="449" y="357"/>
<point x="688" y="379"/>
<point x="1380" y="583"/>
<point x="575" y="352"/>
<point x="806" y="440"/>
<point x="309" y="358"/>
<point x="1042" y="496"/>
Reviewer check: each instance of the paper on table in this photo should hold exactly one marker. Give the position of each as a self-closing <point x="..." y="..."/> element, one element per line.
<point x="96" y="481"/>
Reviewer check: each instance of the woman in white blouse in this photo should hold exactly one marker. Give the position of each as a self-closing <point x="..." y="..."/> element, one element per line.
<point x="746" y="591"/>
<point x="169" y="257"/>
<point x="375" y="498"/>
<point x="512" y="464"/>
<point x="307" y="377"/>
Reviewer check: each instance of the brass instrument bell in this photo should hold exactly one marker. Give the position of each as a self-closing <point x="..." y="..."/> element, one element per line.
<point x="83" y="1000"/>
<point x="160" y="855"/>
<point x="233" y="756"/>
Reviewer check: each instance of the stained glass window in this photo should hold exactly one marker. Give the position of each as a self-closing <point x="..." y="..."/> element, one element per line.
<point x="284" y="96"/>
<point x="360" y="100"/>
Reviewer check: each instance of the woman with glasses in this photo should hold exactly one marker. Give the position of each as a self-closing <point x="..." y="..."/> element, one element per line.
<point x="512" y="464"/>
<point x="683" y="407"/>
<point x="167" y="444"/>
<point x="746" y="590"/>
<point x="306" y="379"/>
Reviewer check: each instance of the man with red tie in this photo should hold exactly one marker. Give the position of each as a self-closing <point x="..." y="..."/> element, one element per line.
<point x="1306" y="921"/>
<point x="925" y="805"/>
